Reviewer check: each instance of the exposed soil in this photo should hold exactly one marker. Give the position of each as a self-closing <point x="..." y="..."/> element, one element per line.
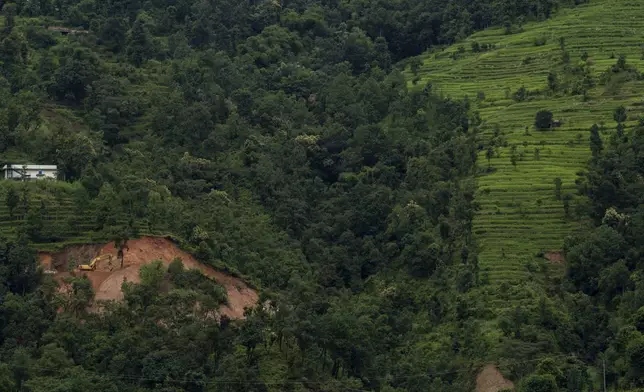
<point x="45" y="260"/>
<point x="107" y="279"/>
<point x="490" y="379"/>
<point x="554" y="256"/>
<point x="75" y="254"/>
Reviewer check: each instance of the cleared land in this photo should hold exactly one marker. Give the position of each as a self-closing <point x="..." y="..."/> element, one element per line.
<point x="520" y="216"/>
<point x="108" y="278"/>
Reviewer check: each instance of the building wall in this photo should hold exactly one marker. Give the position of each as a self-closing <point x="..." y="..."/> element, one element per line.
<point x="33" y="174"/>
<point x="41" y="174"/>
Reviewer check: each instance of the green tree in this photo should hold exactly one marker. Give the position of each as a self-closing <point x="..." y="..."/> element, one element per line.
<point x="414" y="64"/>
<point x="514" y="156"/>
<point x="553" y="82"/>
<point x="557" y="181"/>
<point x="521" y="94"/>
<point x="6" y="378"/>
<point x="14" y="53"/>
<point x="543" y="120"/>
<point x="621" y="62"/>
<point x="586" y="257"/>
<point x="596" y="144"/>
<point x="139" y="42"/>
<point x="635" y="353"/>
<point x="79" y="67"/>
<point x="35" y="223"/>
<point x="178" y="45"/>
<point x="71" y="151"/>
<point x="614" y="281"/>
<point x="565" y="57"/>
<point x="9" y="11"/>
<point x="489" y="153"/>
<point x="113" y="34"/>
<point x="11" y="200"/>
<point x="539" y="383"/>
<point x="78" y="295"/>
<point x="20" y="273"/>
<point x="638" y="319"/>
<point x="382" y="55"/>
<point x="566" y="199"/>
<point x="20" y="366"/>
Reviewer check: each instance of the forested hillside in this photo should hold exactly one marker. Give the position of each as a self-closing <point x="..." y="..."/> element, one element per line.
<point x="284" y="142"/>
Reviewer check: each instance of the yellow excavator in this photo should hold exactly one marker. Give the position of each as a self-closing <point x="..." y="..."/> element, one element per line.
<point x="92" y="264"/>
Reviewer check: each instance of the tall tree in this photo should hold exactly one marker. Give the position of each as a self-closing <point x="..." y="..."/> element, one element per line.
<point x="139" y="43"/>
<point x="596" y="143"/>
<point x="12" y="199"/>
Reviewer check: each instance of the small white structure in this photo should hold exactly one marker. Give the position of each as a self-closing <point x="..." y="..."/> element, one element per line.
<point x="28" y="172"/>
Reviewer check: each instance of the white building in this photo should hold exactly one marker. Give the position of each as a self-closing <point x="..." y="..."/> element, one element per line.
<point x="28" y="172"/>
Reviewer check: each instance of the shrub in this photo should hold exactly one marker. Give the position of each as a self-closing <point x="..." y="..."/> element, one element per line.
<point x="620" y="114"/>
<point x="520" y="94"/>
<point x="565" y="57"/>
<point x="539" y="383"/>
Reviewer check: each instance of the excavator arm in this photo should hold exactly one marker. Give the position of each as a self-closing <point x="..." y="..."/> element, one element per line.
<point x="92" y="264"/>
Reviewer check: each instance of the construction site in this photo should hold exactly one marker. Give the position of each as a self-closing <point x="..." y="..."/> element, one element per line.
<point x="108" y="265"/>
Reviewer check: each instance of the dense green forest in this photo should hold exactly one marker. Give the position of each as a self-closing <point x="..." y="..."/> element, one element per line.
<point x="280" y="140"/>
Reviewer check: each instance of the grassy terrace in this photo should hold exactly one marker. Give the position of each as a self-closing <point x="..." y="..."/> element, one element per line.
<point x="519" y="215"/>
<point x="63" y="202"/>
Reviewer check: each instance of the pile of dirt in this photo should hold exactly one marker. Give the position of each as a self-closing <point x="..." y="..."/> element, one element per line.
<point x="490" y="379"/>
<point x="109" y="276"/>
<point x="555" y="256"/>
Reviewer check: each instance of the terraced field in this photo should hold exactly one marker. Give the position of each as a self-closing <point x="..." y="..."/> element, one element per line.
<point x="73" y="223"/>
<point x="520" y="216"/>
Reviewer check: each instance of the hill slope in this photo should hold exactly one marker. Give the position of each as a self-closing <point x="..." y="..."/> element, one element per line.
<point x="520" y="217"/>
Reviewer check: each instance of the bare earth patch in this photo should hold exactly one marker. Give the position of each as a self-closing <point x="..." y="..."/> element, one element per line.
<point x="490" y="379"/>
<point x="554" y="256"/>
<point x="107" y="279"/>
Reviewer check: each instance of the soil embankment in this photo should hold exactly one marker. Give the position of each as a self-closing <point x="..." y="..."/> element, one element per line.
<point x="109" y="276"/>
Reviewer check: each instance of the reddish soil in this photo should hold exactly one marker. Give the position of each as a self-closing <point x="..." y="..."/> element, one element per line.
<point x="45" y="260"/>
<point x="107" y="280"/>
<point x="554" y="256"/>
<point x="490" y="379"/>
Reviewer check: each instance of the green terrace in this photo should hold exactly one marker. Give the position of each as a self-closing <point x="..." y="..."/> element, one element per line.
<point x="60" y="205"/>
<point x="520" y="216"/>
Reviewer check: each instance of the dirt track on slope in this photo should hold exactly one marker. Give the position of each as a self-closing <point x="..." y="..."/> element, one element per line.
<point x="107" y="279"/>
